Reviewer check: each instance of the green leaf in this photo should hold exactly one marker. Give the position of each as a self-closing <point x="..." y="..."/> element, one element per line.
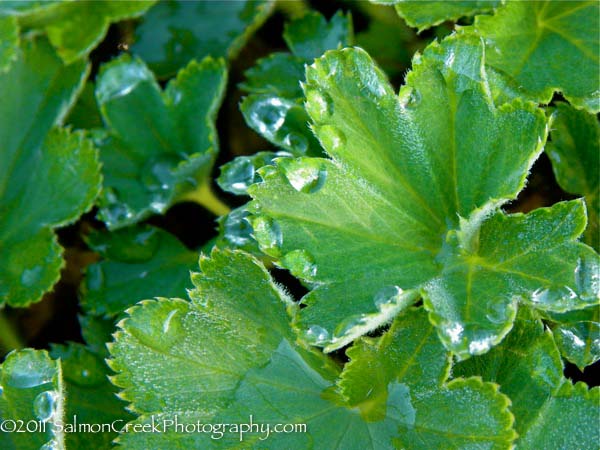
<point x="237" y="175"/>
<point x="96" y="332"/>
<point x="410" y="359"/>
<point x="367" y="252"/>
<point x="574" y="151"/>
<point x="550" y="411"/>
<point x="160" y="146"/>
<point x="9" y="42"/>
<point x="47" y="177"/>
<point x="278" y="74"/>
<point x="85" y="114"/>
<point x="31" y="400"/>
<point x="577" y="335"/>
<point x="311" y="35"/>
<point x="234" y="350"/>
<point x="426" y="14"/>
<point x="175" y="31"/>
<point x="91" y="397"/>
<point x="139" y="263"/>
<point x="74" y="27"/>
<point x="536" y="44"/>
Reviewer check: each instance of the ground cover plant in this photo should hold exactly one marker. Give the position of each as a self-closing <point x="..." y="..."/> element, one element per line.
<point x="305" y="225"/>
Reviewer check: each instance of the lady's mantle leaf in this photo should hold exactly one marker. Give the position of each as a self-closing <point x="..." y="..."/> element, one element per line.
<point x="47" y="177"/>
<point x="175" y="31"/>
<point x="426" y="14"/>
<point x="574" y="151"/>
<point x="139" y="263"/>
<point x="31" y="391"/>
<point x="550" y="411"/>
<point x="73" y="27"/>
<point x="409" y="361"/>
<point x="404" y="204"/>
<point x="9" y="42"/>
<point x="538" y="44"/>
<point x="159" y="145"/>
<point x="229" y="354"/>
<point x="91" y="398"/>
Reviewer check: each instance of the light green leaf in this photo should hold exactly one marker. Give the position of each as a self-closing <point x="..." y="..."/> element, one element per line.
<point x="175" y="31"/>
<point x="139" y="263"/>
<point x="47" y="177"/>
<point x="550" y="411"/>
<point x="32" y="400"/>
<point x="91" y="397"/>
<point x="74" y="27"/>
<point x="160" y="146"/>
<point x="537" y="44"/>
<point x="233" y="350"/>
<point x="410" y="359"/>
<point x="426" y="14"/>
<point x="577" y="335"/>
<point x="9" y="42"/>
<point x="574" y="151"/>
<point x="367" y="252"/>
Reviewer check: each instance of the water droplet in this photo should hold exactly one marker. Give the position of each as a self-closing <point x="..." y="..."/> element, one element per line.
<point x="269" y="115"/>
<point x="167" y="323"/>
<point x="387" y="296"/>
<point x="301" y="264"/>
<point x="480" y="346"/>
<point x="94" y="277"/>
<point x="50" y="445"/>
<point x="414" y="99"/>
<point x="237" y="229"/>
<point x="333" y="139"/>
<point x="304" y="174"/>
<point x="454" y="331"/>
<point x="319" y="105"/>
<point x="45" y="405"/>
<point x="158" y="172"/>
<point x="29" y="277"/>
<point x="85" y="373"/>
<point x="26" y="375"/>
<point x="143" y="274"/>
<point x="1" y="390"/>
<point x="115" y="213"/>
<point x="237" y="175"/>
<point x="497" y="313"/>
<point x="316" y="335"/>
<point x="268" y="234"/>
<point x="296" y="142"/>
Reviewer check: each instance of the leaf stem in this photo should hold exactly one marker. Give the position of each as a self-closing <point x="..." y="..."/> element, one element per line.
<point x="9" y="338"/>
<point x="205" y="196"/>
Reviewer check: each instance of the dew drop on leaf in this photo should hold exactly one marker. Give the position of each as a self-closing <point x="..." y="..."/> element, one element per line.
<point x="29" y="277"/>
<point x="301" y="264"/>
<point x="269" y="115"/>
<point x="239" y="174"/>
<point x="316" y="335"/>
<point x="296" y="142"/>
<point x="319" y="105"/>
<point x="50" y="445"/>
<point x="333" y="138"/>
<point x="45" y="404"/>
<point x="305" y="175"/>
<point x="387" y="295"/>
<point x="236" y="228"/>
<point x="268" y="234"/>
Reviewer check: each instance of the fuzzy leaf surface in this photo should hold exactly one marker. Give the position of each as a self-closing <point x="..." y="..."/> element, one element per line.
<point x="31" y="390"/>
<point x="159" y="145"/>
<point x="48" y="177"/>
<point x="550" y="411"/>
<point x="410" y="362"/>
<point x="175" y="31"/>
<point x="139" y="263"/>
<point x="536" y="44"/>
<point x="235" y="355"/>
<point x="574" y="151"/>
<point x="397" y="235"/>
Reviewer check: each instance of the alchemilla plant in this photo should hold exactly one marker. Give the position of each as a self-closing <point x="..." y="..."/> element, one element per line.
<point x="401" y="251"/>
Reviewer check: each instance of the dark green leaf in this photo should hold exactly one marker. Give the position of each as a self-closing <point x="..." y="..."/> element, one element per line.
<point x="550" y="412"/>
<point x="574" y="151"/>
<point x="160" y="146"/>
<point x="175" y="31"/>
